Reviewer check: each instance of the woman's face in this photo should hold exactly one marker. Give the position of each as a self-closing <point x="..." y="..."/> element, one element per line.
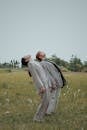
<point x="41" y="56"/>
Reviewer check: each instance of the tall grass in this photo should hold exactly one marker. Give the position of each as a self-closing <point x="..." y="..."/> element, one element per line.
<point x="19" y="101"/>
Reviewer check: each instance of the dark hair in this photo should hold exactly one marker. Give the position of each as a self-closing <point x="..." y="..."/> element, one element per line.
<point x="37" y="55"/>
<point x="24" y="62"/>
<point x="39" y="59"/>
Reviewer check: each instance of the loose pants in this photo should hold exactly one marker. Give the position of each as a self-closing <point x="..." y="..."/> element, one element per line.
<point x="53" y="102"/>
<point x="41" y="110"/>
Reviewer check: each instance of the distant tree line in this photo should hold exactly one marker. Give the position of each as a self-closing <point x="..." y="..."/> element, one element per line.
<point x="75" y="64"/>
<point x="12" y="64"/>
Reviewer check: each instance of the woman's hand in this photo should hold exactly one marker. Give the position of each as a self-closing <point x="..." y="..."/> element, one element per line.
<point x="42" y="90"/>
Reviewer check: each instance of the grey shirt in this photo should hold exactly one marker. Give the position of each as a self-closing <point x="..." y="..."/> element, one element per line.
<point x="52" y="74"/>
<point x="38" y="74"/>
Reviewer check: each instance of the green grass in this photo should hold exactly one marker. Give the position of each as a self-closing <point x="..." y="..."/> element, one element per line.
<point x="19" y="101"/>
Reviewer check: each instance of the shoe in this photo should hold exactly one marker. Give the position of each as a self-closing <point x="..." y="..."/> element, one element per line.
<point x="47" y="114"/>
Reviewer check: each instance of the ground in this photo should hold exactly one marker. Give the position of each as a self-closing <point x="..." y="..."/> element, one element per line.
<point x="19" y="101"/>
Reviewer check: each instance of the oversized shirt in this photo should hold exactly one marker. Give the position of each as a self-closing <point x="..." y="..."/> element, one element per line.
<point x="38" y="74"/>
<point x="52" y="74"/>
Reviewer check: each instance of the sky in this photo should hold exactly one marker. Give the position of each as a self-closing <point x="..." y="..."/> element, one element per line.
<point x="54" y="26"/>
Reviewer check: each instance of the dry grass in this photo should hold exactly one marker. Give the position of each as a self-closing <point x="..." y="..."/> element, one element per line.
<point x="18" y="103"/>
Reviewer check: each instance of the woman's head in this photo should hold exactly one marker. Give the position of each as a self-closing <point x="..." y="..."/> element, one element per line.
<point x="40" y="55"/>
<point x="25" y="60"/>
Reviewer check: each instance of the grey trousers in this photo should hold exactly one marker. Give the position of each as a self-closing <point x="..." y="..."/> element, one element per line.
<point x="54" y="98"/>
<point x="41" y="110"/>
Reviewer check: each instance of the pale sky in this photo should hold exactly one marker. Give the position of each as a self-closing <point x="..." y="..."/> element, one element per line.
<point x="54" y="26"/>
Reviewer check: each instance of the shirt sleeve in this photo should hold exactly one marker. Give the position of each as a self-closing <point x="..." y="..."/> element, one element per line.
<point x="55" y="74"/>
<point x="35" y="76"/>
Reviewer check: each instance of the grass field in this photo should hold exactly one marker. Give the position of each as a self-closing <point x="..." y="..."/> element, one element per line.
<point x="19" y="101"/>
